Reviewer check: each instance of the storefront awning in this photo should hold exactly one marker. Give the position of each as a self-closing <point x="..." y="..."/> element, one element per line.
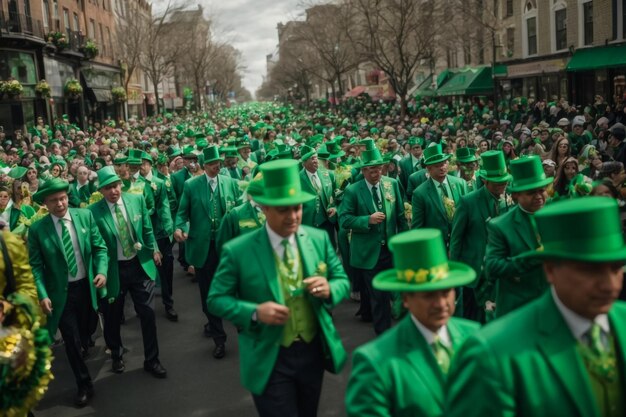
<point x="356" y="91"/>
<point x="588" y="59"/>
<point x="468" y="82"/>
<point x="425" y="89"/>
<point x="102" y="95"/>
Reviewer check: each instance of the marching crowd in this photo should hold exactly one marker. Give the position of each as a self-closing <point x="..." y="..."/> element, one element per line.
<point x="437" y="222"/>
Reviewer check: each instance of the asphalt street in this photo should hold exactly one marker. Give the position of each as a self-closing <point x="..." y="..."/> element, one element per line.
<point x="197" y="384"/>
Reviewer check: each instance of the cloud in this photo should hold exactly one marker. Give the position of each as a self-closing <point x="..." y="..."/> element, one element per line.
<point x="250" y="26"/>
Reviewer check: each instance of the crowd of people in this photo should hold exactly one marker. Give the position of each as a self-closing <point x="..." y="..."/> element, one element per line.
<point x="440" y="221"/>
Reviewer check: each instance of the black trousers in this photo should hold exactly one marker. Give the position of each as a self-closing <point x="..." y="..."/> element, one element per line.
<point x="214" y="327"/>
<point x="372" y="300"/>
<point x="133" y="280"/>
<point x="74" y="328"/>
<point x="295" y="384"/>
<point x="181" y="256"/>
<point x="166" y="271"/>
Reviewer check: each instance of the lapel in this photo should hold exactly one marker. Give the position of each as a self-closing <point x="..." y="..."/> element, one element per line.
<point x="366" y="195"/>
<point x="618" y="329"/>
<point x="486" y="201"/>
<point x="521" y="228"/>
<point x="420" y="356"/>
<point x="131" y="214"/>
<point x="52" y="231"/>
<point x="305" y="246"/>
<point x="387" y="206"/>
<point x="14" y="216"/>
<point x="454" y="188"/>
<point x="222" y="193"/>
<point x="556" y="343"/>
<point x="434" y="196"/>
<point x="204" y="194"/>
<point x="106" y="214"/>
<point x="79" y="229"/>
<point x="266" y="258"/>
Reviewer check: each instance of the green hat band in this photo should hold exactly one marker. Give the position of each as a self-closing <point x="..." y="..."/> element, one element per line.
<point x="494" y="172"/>
<point x="423" y="275"/>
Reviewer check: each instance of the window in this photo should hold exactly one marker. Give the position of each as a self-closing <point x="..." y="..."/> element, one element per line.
<point x="66" y="20"/>
<point x="588" y="23"/>
<point x="92" y="29"/>
<point x="76" y="23"/>
<point x="46" y="14"/>
<point x="27" y="8"/>
<point x="619" y="19"/>
<point x="55" y="9"/>
<point x="509" y="8"/>
<point x="560" y="24"/>
<point x="101" y="42"/>
<point x="510" y="42"/>
<point x="109" y="41"/>
<point x="529" y="29"/>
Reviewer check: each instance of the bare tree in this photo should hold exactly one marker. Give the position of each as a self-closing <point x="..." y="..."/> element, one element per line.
<point x="131" y="27"/>
<point x="226" y="73"/>
<point x="395" y="35"/>
<point x="161" y="49"/>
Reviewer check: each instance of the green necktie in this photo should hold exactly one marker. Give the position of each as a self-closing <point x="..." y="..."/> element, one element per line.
<point x="69" y="249"/>
<point x="442" y="354"/>
<point x="377" y="202"/>
<point x="288" y="256"/>
<point x="595" y="339"/>
<point x="315" y="183"/>
<point x="600" y="360"/>
<point x="444" y="192"/>
<point x="124" y="233"/>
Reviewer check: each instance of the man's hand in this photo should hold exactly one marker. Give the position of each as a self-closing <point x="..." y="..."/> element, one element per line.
<point x="272" y="313"/>
<point x="317" y="287"/>
<point x="46" y="306"/>
<point x="157" y="258"/>
<point x="331" y="212"/>
<point x="99" y="281"/>
<point x="377" y="218"/>
<point x="180" y="236"/>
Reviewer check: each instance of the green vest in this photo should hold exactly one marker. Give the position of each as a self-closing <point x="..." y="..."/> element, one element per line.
<point x="608" y="395"/>
<point x="302" y="321"/>
<point x="216" y="212"/>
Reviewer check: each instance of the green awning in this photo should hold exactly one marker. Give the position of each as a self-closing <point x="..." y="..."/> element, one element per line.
<point x="468" y="82"/>
<point x="500" y="70"/>
<point x="587" y="59"/>
<point x="425" y="89"/>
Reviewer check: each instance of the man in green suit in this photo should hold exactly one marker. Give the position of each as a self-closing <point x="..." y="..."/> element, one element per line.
<point x="125" y="225"/>
<point x="203" y="204"/>
<point x="412" y="162"/>
<point x="402" y="372"/>
<point x="435" y="201"/>
<point x="69" y="262"/>
<point x="163" y="228"/>
<point x="563" y="354"/>
<point x="467" y="163"/>
<point x="372" y="208"/>
<point x="81" y="189"/>
<point x="321" y="211"/>
<point x="190" y="166"/>
<point x="469" y="227"/>
<point x="278" y="285"/>
<point x="517" y="281"/>
<point x="415" y="180"/>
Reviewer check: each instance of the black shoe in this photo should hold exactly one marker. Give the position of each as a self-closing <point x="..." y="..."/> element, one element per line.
<point x="83" y="395"/>
<point x="156" y="369"/>
<point x="220" y="351"/>
<point x="171" y="314"/>
<point x="118" y="366"/>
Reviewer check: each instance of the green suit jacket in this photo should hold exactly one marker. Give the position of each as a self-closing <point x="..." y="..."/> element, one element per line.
<point x="162" y="224"/>
<point x="354" y="214"/>
<point x="139" y="219"/>
<point x="194" y="214"/>
<point x="178" y="181"/>
<point x="247" y="276"/>
<point x="527" y="364"/>
<point x="397" y="373"/>
<point x="517" y="283"/>
<point x="47" y="260"/>
<point x="469" y="228"/>
<point x="239" y="221"/>
<point x="407" y="168"/>
<point x="428" y="209"/>
<point x="171" y="195"/>
<point x="76" y="197"/>
<point x="415" y="180"/>
<point x="314" y="211"/>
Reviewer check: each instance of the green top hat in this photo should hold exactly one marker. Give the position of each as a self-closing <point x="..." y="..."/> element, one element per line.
<point x="17" y="172"/>
<point x="421" y="264"/>
<point x="54" y="185"/>
<point x="466" y="155"/>
<point x="120" y="159"/>
<point x="307" y="153"/>
<point x="244" y="143"/>
<point x="415" y="140"/>
<point x="528" y="174"/>
<point x="229" y="151"/>
<point x="107" y="176"/>
<point x="334" y="149"/>
<point x="255" y="187"/>
<point x="211" y="154"/>
<point x="494" y="167"/>
<point x="173" y="152"/>
<point x="434" y="155"/>
<point x="201" y="143"/>
<point x="322" y="152"/>
<point x="371" y="155"/>
<point x="188" y="153"/>
<point x="134" y="157"/>
<point x="584" y="229"/>
<point x="282" y="184"/>
<point x="315" y="139"/>
<point x="146" y="157"/>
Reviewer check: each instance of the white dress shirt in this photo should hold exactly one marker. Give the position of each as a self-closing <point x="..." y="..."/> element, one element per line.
<point x="279" y="249"/>
<point x="80" y="265"/>
<point x="578" y="325"/>
<point x="212" y="182"/>
<point x="315" y="179"/>
<point x="369" y="187"/>
<point x="429" y="335"/>
<point x="120" y="251"/>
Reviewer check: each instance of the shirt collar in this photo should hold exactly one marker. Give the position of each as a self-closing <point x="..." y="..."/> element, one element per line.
<point x="444" y="182"/>
<point x="276" y="239"/>
<point x="149" y="176"/>
<point x="208" y="179"/>
<point x="577" y="324"/>
<point x="66" y="217"/>
<point x="429" y="335"/>
<point x="371" y="185"/>
<point x="112" y="205"/>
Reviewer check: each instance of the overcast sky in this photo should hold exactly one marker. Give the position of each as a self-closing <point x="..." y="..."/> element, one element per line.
<point x="250" y="26"/>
